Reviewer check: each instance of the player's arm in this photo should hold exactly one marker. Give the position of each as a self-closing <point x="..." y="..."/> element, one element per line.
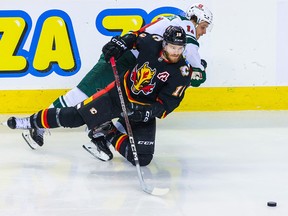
<point x="196" y="64"/>
<point x="160" y="109"/>
<point x="168" y="99"/>
<point x="173" y="92"/>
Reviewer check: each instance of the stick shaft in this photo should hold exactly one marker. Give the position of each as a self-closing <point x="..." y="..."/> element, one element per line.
<point x="125" y="115"/>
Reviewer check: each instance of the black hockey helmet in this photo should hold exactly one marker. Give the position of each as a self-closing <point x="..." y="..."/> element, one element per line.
<point x="175" y="35"/>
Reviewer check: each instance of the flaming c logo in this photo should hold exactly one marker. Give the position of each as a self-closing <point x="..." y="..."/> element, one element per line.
<point x="142" y="79"/>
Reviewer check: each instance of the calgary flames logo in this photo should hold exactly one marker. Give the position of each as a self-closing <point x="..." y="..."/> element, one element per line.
<point x="142" y="79"/>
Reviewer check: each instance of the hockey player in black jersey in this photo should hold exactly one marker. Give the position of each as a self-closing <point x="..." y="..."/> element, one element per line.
<point x="153" y="88"/>
<point x="197" y="21"/>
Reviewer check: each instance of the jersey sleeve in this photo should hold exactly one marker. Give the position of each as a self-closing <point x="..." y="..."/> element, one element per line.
<point x="157" y="27"/>
<point x="173" y="92"/>
<point x="192" y="56"/>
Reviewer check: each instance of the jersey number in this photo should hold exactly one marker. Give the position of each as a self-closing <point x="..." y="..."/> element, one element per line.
<point x="179" y="91"/>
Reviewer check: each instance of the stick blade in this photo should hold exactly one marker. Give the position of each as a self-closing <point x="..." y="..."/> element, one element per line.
<point x="155" y="190"/>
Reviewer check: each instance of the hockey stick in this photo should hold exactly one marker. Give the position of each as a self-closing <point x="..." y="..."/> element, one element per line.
<point x="148" y="189"/>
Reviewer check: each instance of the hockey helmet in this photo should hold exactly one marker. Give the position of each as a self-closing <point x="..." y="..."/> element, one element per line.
<point x="202" y="13"/>
<point x="175" y="35"/>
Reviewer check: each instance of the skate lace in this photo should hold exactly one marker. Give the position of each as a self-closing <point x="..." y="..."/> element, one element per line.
<point x="22" y="123"/>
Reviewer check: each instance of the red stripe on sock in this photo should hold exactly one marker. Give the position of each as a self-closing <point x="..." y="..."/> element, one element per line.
<point x="120" y="141"/>
<point x="44" y="120"/>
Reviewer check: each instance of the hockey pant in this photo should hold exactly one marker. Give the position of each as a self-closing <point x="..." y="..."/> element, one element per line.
<point x="94" y="111"/>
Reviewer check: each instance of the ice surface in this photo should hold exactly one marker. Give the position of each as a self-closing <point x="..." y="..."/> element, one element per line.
<point x="215" y="164"/>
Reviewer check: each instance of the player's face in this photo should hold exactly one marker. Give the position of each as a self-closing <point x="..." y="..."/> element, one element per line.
<point x="173" y="52"/>
<point x="201" y="29"/>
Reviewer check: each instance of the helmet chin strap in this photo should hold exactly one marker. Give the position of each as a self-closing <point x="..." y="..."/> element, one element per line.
<point x="195" y="23"/>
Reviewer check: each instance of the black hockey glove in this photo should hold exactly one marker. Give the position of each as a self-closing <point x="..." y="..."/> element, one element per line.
<point x="144" y="113"/>
<point x="115" y="48"/>
<point x="118" y="45"/>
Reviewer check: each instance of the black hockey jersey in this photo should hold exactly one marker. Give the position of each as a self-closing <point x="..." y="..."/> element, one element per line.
<point x="153" y="79"/>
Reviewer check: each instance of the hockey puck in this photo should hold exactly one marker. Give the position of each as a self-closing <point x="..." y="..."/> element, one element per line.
<point x="272" y="204"/>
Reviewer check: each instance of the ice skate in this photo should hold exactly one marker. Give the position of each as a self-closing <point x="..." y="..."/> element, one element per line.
<point x="103" y="130"/>
<point x="34" y="137"/>
<point x="99" y="149"/>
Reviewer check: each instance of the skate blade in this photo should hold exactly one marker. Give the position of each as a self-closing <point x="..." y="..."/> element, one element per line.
<point x="4" y="123"/>
<point x="93" y="151"/>
<point x="30" y="142"/>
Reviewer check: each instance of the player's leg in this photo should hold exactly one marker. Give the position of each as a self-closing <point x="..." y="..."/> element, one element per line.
<point x="96" y="79"/>
<point x="144" y="136"/>
<point x="71" y="98"/>
<point x="93" y="112"/>
<point x="48" y="118"/>
<point x="35" y="136"/>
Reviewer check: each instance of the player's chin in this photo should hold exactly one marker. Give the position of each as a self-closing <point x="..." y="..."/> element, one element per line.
<point x="174" y="59"/>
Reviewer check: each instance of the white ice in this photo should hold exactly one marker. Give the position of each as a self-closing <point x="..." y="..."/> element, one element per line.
<point x="215" y="164"/>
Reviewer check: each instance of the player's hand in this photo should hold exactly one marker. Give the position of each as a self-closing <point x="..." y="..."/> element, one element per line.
<point x="196" y="75"/>
<point x="199" y="77"/>
<point x="139" y="113"/>
<point x="114" y="48"/>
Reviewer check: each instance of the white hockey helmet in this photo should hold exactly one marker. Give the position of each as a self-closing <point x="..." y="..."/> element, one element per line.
<point x="202" y="13"/>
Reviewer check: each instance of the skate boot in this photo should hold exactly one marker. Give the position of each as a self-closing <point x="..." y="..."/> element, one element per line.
<point x="100" y="149"/>
<point x="34" y="137"/>
<point x="103" y="130"/>
<point x="19" y="123"/>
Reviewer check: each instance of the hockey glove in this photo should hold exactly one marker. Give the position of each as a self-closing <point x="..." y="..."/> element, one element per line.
<point x="115" y="48"/>
<point x="199" y="77"/>
<point x="118" y="45"/>
<point x="144" y="113"/>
